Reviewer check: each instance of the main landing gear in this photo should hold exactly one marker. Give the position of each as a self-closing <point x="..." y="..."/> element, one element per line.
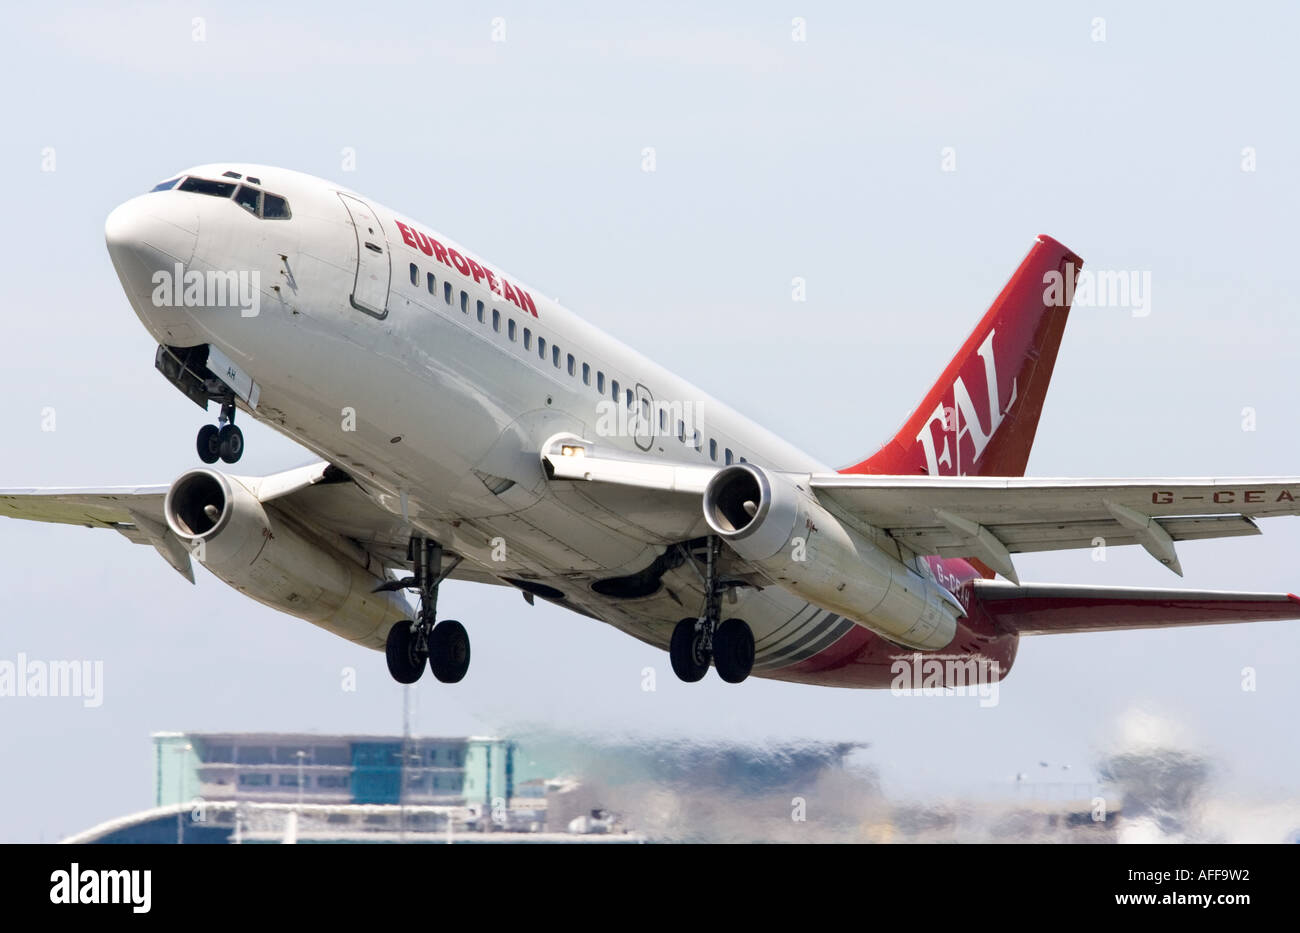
<point x="728" y="644"/>
<point x="444" y="645"/>
<point x="221" y="440"/>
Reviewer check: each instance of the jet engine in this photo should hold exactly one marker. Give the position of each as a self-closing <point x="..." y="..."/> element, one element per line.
<point x="266" y="555"/>
<point x="774" y="523"/>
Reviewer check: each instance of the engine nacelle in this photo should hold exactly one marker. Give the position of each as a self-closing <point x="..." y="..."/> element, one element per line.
<point x="761" y="513"/>
<point x="270" y="558"/>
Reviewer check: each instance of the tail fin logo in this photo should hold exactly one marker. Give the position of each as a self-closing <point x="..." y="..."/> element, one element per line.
<point x="962" y="419"/>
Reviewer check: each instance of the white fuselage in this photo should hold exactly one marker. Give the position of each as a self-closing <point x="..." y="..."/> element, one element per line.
<point x="440" y="414"/>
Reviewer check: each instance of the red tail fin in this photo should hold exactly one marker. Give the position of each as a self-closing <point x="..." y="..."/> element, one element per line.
<point x="981" y="416"/>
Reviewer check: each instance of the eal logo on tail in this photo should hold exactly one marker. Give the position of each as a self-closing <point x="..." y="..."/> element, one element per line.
<point x="963" y="419"/>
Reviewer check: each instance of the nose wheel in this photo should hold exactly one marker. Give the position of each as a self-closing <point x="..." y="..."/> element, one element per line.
<point x="223" y="440"/>
<point x="444" y="646"/>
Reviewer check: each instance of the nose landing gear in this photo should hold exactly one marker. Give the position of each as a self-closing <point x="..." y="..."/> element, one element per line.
<point x="222" y="440"/>
<point x="443" y="645"/>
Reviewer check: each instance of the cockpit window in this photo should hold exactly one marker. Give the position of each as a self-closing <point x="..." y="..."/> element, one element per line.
<point x="234" y="175"/>
<point x="274" y="207"/>
<point x="166" y="185"/>
<point x="218" y="189"/>
<point x="247" y="197"/>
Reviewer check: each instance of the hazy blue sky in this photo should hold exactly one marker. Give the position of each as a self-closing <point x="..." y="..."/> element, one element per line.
<point x="774" y="159"/>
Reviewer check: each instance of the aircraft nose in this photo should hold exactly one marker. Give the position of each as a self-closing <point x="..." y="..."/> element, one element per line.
<point x="148" y="234"/>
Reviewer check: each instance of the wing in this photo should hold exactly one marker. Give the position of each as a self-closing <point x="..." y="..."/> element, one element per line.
<point x="319" y="495"/>
<point x="136" y="512"/>
<point x="990" y="518"/>
<point x="987" y="518"/>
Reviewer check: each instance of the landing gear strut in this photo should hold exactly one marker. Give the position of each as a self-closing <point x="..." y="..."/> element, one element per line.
<point x="728" y="644"/>
<point x="222" y="440"/>
<point x="444" y="645"/>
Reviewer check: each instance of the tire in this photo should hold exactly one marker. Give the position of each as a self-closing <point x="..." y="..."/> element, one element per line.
<point x="232" y="443"/>
<point x="405" y="663"/>
<point x="682" y="652"/>
<point x="209" y="443"/>
<point x="733" y="650"/>
<point x="449" y="651"/>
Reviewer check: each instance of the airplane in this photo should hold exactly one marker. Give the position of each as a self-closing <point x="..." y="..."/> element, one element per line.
<point x="470" y="428"/>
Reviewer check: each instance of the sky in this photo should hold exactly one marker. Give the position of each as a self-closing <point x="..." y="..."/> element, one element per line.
<point x="899" y="159"/>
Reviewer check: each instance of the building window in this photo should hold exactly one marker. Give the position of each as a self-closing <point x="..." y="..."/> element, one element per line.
<point x="332" y="780"/>
<point x="255" y="780"/>
<point x="415" y="275"/>
<point x="291" y="780"/>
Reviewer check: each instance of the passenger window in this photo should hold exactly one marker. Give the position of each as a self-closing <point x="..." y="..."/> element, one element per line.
<point x="446" y="292"/>
<point x="600" y="382"/>
<point x="681" y="432"/>
<point x="663" y="420"/>
<point x="464" y="303"/>
<point x="248" y="198"/>
<point x="541" y="347"/>
<point x="496" y="320"/>
<point x="586" y="374"/>
<point x="274" y="207"/>
<point x="713" y="449"/>
<point x="415" y="275"/>
<point x="613" y="388"/>
<point x="510" y="329"/>
<point x="528" y="338"/>
<point x="479" y="312"/>
<point x="555" y="356"/>
<point x="727" y="458"/>
<point x="630" y="401"/>
<point x="695" y="440"/>
<point x="433" y="286"/>
<point x="743" y="460"/>
<point x="573" y="365"/>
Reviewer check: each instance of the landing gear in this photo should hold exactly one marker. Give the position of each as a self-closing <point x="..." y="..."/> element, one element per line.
<point x="443" y="645"/>
<point x="728" y="644"/>
<point x="222" y="440"/>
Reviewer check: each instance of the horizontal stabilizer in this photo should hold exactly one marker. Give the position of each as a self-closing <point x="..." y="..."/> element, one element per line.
<point x="1047" y="608"/>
